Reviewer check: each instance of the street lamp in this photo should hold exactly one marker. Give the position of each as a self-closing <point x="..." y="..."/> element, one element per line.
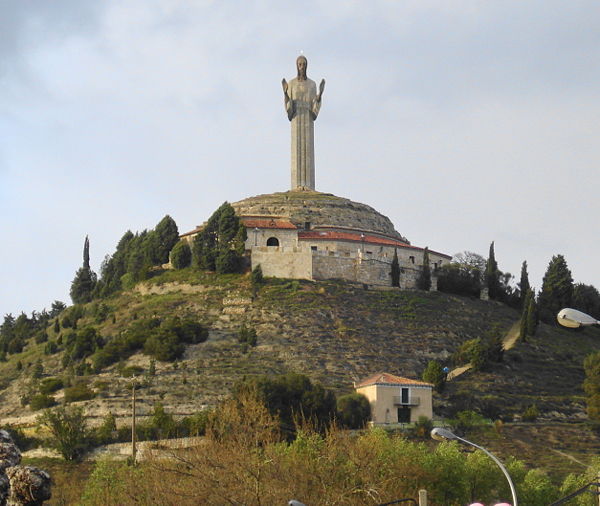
<point x="573" y="319"/>
<point x="445" y="435"/>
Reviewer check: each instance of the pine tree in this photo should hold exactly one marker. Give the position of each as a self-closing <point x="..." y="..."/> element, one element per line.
<point x="424" y="279"/>
<point x="85" y="279"/>
<point x="395" y="272"/>
<point x="492" y="275"/>
<point x="524" y="283"/>
<point x="557" y="289"/>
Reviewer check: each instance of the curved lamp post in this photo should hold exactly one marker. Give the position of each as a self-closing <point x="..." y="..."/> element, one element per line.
<point x="445" y="435"/>
<point x="572" y="318"/>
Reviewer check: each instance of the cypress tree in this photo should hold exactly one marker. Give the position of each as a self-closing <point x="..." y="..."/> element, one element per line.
<point x="395" y="273"/>
<point x="492" y="275"/>
<point x="85" y="279"/>
<point x="181" y="255"/>
<point x="531" y="315"/>
<point x="524" y="283"/>
<point x="424" y="279"/>
<point x="167" y="236"/>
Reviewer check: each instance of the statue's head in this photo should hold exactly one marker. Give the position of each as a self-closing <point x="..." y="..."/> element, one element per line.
<point x="301" y="65"/>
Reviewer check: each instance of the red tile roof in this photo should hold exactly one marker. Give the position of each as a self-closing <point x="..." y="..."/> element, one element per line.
<point x="191" y="232"/>
<point x="268" y="223"/>
<point x="315" y="235"/>
<point x="386" y="378"/>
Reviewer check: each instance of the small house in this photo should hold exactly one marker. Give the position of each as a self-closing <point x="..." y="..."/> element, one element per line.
<point x="395" y="399"/>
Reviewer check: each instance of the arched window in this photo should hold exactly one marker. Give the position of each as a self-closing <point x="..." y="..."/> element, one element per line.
<point x="272" y="241"/>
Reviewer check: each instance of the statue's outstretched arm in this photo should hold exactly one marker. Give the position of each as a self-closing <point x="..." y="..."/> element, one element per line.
<point x="321" y="89"/>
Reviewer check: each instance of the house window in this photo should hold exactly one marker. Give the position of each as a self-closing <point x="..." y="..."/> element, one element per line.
<point x="314" y="248"/>
<point x="307" y="225"/>
<point x="412" y="260"/>
<point x="404" y="395"/>
<point x="272" y="241"/>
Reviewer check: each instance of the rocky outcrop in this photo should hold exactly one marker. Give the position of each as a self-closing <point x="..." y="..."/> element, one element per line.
<point x="20" y="485"/>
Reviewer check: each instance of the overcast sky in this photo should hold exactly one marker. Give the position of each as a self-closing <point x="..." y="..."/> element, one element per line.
<point x="463" y="121"/>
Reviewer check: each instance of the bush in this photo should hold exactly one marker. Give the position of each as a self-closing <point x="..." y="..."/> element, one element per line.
<point x="353" y="411"/>
<point x="41" y="401"/>
<point x="131" y="371"/>
<point x="466" y="421"/>
<point x="49" y="385"/>
<point x="69" y="431"/>
<point x="423" y="427"/>
<point x="531" y="413"/>
<point x="51" y="348"/>
<point x="78" y="392"/>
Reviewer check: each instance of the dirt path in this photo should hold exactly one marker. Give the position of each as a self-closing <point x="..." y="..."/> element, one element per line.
<point x="508" y="342"/>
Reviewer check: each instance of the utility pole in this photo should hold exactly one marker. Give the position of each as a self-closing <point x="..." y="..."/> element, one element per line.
<point x="133" y="439"/>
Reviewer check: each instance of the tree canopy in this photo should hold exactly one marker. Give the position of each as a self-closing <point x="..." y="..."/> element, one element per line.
<point x="557" y="289"/>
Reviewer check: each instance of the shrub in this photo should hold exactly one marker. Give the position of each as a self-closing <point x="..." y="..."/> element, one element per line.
<point x="423" y="427"/>
<point x="132" y="370"/>
<point x="69" y="431"/>
<point x="467" y="420"/>
<point x="49" y="385"/>
<point x="531" y="413"/>
<point x="78" y="392"/>
<point x="41" y="401"/>
<point x="51" y="348"/>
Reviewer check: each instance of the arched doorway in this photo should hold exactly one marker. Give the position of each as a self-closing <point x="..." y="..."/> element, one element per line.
<point x="272" y="241"/>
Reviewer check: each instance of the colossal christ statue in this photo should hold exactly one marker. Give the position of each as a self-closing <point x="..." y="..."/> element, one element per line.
<point x="302" y="104"/>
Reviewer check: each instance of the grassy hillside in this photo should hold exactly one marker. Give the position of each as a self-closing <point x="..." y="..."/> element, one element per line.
<point x="333" y="332"/>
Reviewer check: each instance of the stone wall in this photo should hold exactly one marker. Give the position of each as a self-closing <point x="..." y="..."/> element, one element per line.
<point x="282" y="262"/>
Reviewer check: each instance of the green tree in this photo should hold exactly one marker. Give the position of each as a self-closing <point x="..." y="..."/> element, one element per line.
<point x="181" y="255"/>
<point x="85" y="279"/>
<point x="162" y="422"/>
<point x="395" y="270"/>
<point x="434" y="374"/>
<point x="219" y="246"/>
<point x="257" y="279"/>
<point x="68" y="427"/>
<point x="557" y="289"/>
<point x="57" y="308"/>
<point x="353" y="411"/>
<point x="38" y="369"/>
<point x="492" y="274"/>
<point x="587" y="299"/>
<point x="424" y="279"/>
<point x="167" y="236"/>
<point x="104" y="433"/>
<point x="591" y="385"/>
<point x="292" y="397"/>
<point x="532" y="315"/>
<point x="524" y="285"/>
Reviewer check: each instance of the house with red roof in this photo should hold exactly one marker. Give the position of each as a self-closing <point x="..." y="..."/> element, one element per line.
<point x="395" y="399"/>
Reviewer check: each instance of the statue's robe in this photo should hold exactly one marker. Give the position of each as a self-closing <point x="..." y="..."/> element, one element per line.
<point x="303" y="109"/>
